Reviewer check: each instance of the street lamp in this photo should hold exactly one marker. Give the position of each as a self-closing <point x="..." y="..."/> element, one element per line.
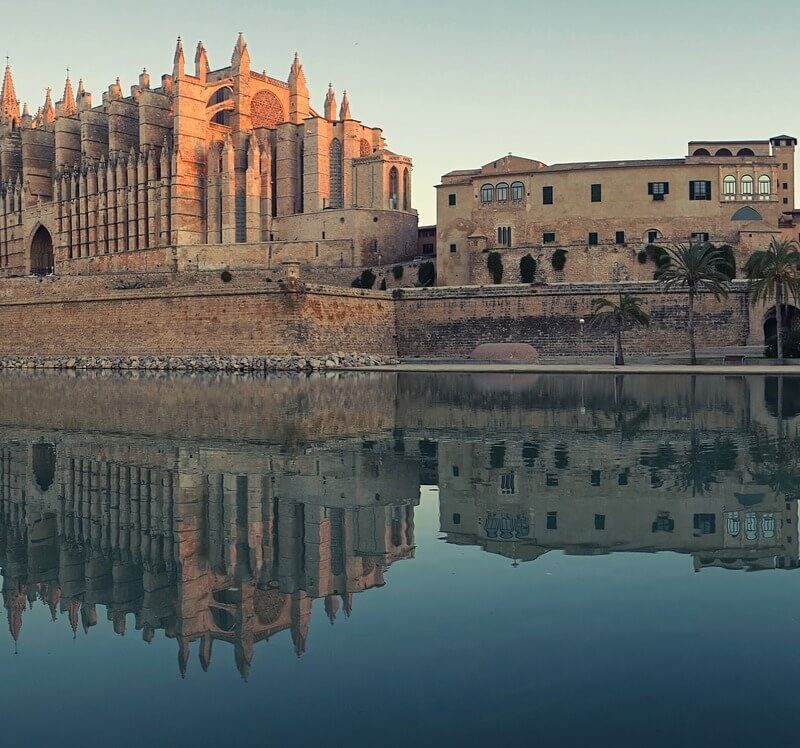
<point x="582" y="322"/>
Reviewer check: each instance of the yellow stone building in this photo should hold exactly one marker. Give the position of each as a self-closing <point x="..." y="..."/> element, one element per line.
<point x="603" y="214"/>
<point x="206" y="168"/>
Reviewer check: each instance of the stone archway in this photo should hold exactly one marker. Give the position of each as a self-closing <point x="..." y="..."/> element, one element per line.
<point x="790" y="317"/>
<point x="42" y="260"/>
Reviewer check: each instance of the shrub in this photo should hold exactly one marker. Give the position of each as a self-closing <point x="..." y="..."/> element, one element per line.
<point x="791" y="345"/>
<point x="226" y="276"/>
<point x="494" y="263"/>
<point x="426" y="275"/>
<point x="559" y="259"/>
<point x="365" y="280"/>
<point x="397" y="272"/>
<point x="641" y="255"/>
<point x="527" y="269"/>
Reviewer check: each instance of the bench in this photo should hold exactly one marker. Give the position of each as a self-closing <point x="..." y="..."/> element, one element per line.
<point x="737" y="360"/>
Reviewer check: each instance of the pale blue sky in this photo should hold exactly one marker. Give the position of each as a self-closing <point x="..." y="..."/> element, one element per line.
<point x="457" y="83"/>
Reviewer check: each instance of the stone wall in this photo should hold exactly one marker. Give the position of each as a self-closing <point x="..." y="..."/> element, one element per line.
<point x="249" y="313"/>
<point x="190" y="316"/>
<point x="450" y="322"/>
<point x="605" y="263"/>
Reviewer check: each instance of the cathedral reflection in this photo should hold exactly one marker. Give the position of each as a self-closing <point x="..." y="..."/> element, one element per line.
<point x="227" y="508"/>
<point x="206" y="545"/>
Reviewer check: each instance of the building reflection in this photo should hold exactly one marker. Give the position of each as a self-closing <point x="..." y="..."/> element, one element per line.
<point x="204" y="544"/>
<point x="220" y="510"/>
<point x="721" y="499"/>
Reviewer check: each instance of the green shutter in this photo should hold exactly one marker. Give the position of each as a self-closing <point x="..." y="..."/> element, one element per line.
<point x="691" y="191"/>
<point x="708" y="190"/>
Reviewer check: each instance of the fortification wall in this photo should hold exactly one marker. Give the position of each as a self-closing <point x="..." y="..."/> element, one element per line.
<point x="200" y="314"/>
<point x="193" y="314"/>
<point x="450" y="322"/>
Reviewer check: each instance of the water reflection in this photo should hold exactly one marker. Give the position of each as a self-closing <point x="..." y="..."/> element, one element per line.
<point x="222" y="509"/>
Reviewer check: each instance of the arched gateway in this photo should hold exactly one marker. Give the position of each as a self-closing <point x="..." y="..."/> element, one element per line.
<point x="42" y="262"/>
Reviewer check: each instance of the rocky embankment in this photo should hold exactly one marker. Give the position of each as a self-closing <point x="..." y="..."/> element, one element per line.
<point x="332" y="362"/>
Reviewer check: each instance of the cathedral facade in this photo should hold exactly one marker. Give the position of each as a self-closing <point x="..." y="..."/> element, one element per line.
<point x="229" y="163"/>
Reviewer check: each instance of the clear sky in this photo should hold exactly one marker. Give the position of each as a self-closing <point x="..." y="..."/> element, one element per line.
<point x="457" y="83"/>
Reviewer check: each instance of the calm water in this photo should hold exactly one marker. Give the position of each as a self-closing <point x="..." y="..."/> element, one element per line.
<point x="383" y="560"/>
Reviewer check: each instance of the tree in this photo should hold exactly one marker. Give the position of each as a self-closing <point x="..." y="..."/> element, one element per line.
<point x="494" y="263"/>
<point x="698" y="268"/>
<point x="426" y="275"/>
<point x="527" y="269"/>
<point x="627" y="311"/>
<point x="774" y="275"/>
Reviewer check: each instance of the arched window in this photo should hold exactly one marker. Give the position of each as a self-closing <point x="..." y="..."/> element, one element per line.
<point x="517" y="192"/>
<point x="729" y="185"/>
<point x="746" y="214"/>
<point x="502" y="192"/>
<point x="394" y="179"/>
<point x="406" y="190"/>
<point x="723" y="152"/>
<point x="487" y="193"/>
<point x="764" y="185"/>
<point x="223" y="116"/>
<point x="701" y="152"/>
<point x="335" y="174"/>
<point x="747" y="185"/>
<point x="745" y="152"/>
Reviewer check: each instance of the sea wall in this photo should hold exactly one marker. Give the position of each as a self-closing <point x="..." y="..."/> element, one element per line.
<point x="451" y="322"/>
<point x="250" y="314"/>
<point x="190" y="315"/>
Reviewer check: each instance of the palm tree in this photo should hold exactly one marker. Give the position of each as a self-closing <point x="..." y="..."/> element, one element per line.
<point x="774" y="274"/>
<point x="698" y="268"/>
<point x="627" y="311"/>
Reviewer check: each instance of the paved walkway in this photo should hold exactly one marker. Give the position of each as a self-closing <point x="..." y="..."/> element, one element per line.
<point x="589" y="368"/>
<point x="710" y="361"/>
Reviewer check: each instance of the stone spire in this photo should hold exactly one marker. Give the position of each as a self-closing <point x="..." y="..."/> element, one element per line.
<point x="201" y="66"/>
<point x="26" y="120"/>
<point x="296" y="73"/>
<point x="178" y="62"/>
<point x="299" y="106"/>
<point x="330" y="103"/>
<point x="48" y="113"/>
<point x="344" y="111"/>
<point x="83" y="97"/>
<point x="9" y="104"/>
<point x="68" y="107"/>
<point x="240" y="57"/>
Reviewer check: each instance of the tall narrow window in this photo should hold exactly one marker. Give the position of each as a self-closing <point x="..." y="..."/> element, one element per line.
<point x="547" y="195"/>
<point x="406" y="190"/>
<point x="335" y="172"/>
<point x="517" y="192"/>
<point x="394" y="186"/>
<point x="764" y="185"/>
<point x="487" y="194"/>
<point x="597" y="193"/>
<point x="301" y="161"/>
<point x="241" y="216"/>
<point x="502" y="192"/>
<point x="747" y="185"/>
